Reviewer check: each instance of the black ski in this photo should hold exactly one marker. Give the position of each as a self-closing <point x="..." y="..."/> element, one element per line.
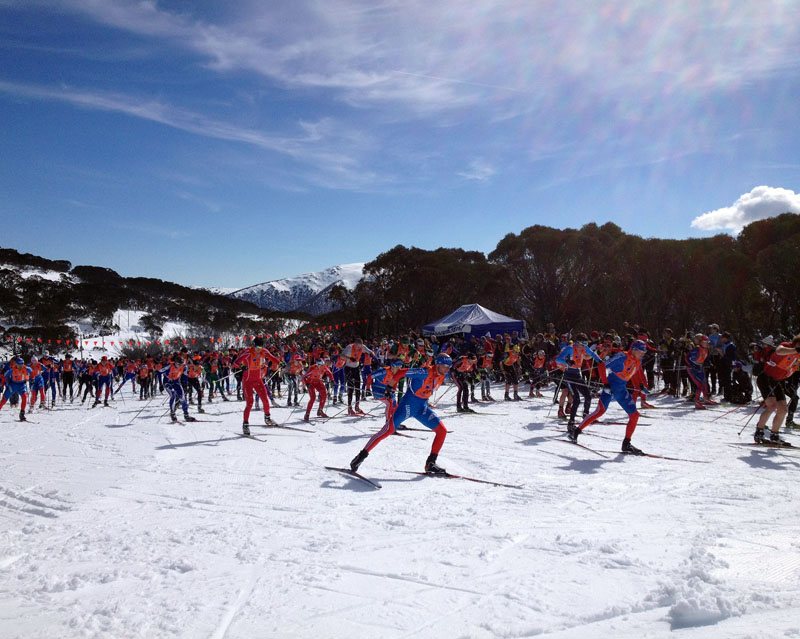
<point x="780" y="446"/>
<point x="585" y="432"/>
<point x="692" y="461"/>
<point x="302" y="430"/>
<point x="591" y="450"/>
<point x="451" y="476"/>
<point x="355" y="475"/>
<point x="264" y="441"/>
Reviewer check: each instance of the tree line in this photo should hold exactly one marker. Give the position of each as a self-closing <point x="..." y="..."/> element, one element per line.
<point x="593" y="277"/>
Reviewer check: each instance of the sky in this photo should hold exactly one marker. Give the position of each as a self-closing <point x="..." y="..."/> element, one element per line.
<point x="225" y="144"/>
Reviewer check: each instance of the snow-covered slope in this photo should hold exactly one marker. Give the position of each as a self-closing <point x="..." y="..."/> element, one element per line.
<point x="116" y="524"/>
<point x="307" y="292"/>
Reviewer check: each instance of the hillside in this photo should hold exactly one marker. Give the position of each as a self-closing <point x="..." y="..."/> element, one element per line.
<point x="307" y="293"/>
<point x="47" y="298"/>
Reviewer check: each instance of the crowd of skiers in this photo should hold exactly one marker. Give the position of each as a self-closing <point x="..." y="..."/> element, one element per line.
<point x="403" y="372"/>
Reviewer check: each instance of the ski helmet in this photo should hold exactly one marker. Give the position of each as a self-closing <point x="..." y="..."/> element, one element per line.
<point x="639" y="345"/>
<point x="443" y="360"/>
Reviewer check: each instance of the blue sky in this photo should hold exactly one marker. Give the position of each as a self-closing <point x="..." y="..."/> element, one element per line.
<point x="224" y="144"/>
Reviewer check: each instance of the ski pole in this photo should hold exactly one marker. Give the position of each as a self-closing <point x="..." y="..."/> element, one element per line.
<point x="763" y="403"/>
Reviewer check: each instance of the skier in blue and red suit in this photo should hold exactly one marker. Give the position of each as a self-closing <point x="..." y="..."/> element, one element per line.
<point x="694" y="361"/>
<point x="16" y="382"/>
<point x="105" y="375"/>
<point x="615" y="374"/>
<point x="422" y="382"/>
<point x="37" y="383"/>
<point x="571" y="357"/>
<point x="384" y="386"/>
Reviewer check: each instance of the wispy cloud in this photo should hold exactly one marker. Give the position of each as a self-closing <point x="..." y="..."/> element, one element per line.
<point x="479" y="170"/>
<point x="318" y="145"/>
<point x="442" y="55"/>
<point x="760" y="203"/>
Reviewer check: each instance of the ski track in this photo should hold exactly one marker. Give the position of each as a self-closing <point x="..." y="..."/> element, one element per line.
<point x="111" y="530"/>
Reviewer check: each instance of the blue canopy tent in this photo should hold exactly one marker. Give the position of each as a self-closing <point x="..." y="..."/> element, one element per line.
<point x="473" y="320"/>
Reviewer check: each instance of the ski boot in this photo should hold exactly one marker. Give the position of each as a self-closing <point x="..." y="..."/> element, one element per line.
<point x="507" y="397"/>
<point x="268" y="420"/>
<point x="351" y="412"/>
<point x="296" y="403"/>
<point x="96" y="403"/>
<point x="517" y="398"/>
<point x="775" y="440"/>
<point x="758" y="436"/>
<point x="572" y="432"/>
<point x="188" y="418"/>
<point x="307" y="418"/>
<point x="105" y="403"/>
<point x="644" y="404"/>
<point x="432" y="468"/>
<point x="699" y="405"/>
<point x="321" y="413"/>
<point x="358" y="410"/>
<point x="459" y="409"/>
<point x="246" y="429"/>
<point x="22" y="416"/>
<point x="790" y="424"/>
<point x="200" y="409"/>
<point x="173" y="417"/>
<point x="629" y="448"/>
<point x="561" y="413"/>
<point x="356" y="462"/>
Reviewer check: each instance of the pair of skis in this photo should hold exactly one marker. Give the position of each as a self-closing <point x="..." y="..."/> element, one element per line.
<point x="273" y="426"/>
<point x="605" y="453"/>
<point x="377" y="486"/>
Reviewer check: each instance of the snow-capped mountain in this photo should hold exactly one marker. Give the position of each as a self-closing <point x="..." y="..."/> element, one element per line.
<point x="307" y="292"/>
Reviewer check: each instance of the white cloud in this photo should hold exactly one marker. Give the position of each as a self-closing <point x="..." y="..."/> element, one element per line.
<point x="479" y="170"/>
<point x="762" y="202"/>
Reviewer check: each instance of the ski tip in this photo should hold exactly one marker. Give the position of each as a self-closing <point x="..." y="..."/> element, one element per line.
<point x="355" y="475"/>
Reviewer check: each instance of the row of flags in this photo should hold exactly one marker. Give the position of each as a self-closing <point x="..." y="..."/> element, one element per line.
<point x="213" y="340"/>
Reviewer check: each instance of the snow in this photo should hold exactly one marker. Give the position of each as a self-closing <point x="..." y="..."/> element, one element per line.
<point x="28" y="272"/>
<point x="115" y="523"/>
<point x="298" y="292"/>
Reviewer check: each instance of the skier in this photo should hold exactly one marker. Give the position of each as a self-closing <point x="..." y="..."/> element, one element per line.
<point x="695" y="359"/>
<point x="171" y="374"/>
<point x="252" y="359"/>
<point x="104" y="372"/>
<point x="194" y="372"/>
<point x="313" y="380"/>
<point x="781" y="365"/>
<point x="36" y="383"/>
<point x="16" y="383"/>
<point x="384" y="386"/>
<point x="67" y="376"/>
<point x="352" y="355"/>
<point x="422" y="382"/>
<point x="571" y="358"/>
<point x="615" y="374"/>
<point x="462" y="371"/>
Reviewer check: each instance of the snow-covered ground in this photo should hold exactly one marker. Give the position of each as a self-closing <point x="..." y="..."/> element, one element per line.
<point x="116" y="523"/>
